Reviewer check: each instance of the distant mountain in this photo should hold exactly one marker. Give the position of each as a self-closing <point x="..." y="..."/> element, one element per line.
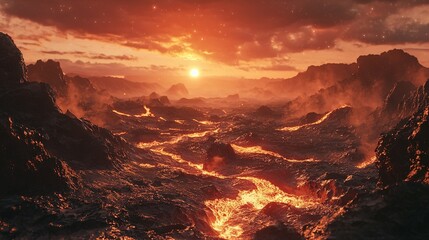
<point x="367" y="83"/>
<point x="178" y="90"/>
<point x="312" y="80"/>
<point x="123" y="88"/>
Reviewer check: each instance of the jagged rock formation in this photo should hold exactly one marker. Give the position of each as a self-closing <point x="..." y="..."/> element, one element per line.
<point x="38" y="143"/>
<point x="403" y="153"/>
<point x="49" y="72"/>
<point x="12" y="66"/>
<point x="397" y="96"/>
<point x="75" y="94"/>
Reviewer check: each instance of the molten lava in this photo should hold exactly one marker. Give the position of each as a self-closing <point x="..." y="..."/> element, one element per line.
<point x="295" y="128"/>
<point x="147" y="113"/>
<point x="259" y="150"/>
<point x="367" y="162"/>
<point x="175" y="140"/>
<point x="228" y="213"/>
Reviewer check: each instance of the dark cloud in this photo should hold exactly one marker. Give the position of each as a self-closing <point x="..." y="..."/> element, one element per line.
<point x="92" y="56"/>
<point x="227" y="30"/>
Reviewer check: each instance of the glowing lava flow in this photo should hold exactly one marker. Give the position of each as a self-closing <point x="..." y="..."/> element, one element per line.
<point x="203" y="122"/>
<point x="295" y="128"/>
<point x="147" y="113"/>
<point x="367" y="162"/>
<point x="259" y="150"/>
<point x="228" y="221"/>
<point x="197" y="167"/>
<point x="175" y="140"/>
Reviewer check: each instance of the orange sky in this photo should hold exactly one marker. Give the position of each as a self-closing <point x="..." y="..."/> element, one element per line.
<point x="153" y="40"/>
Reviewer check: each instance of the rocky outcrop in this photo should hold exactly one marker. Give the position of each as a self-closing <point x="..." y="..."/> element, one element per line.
<point x="49" y="72"/>
<point x="12" y="66"/>
<point x="218" y="155"/>
<point x="75" y="94"/>
<point x="266" y="112"/>
<point x="403" y="153"/>
<point x="397" y="97"/>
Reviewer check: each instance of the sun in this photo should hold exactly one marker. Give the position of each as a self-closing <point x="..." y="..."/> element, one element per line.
<point x="194" y="72"/>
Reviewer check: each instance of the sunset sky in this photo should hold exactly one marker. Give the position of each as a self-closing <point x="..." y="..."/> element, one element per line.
<point x="238" y="38"/>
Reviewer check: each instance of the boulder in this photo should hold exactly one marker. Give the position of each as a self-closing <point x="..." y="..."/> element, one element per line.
<point x="218" y="155"/>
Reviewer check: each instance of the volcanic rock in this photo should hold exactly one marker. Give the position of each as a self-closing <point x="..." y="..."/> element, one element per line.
<point x="403" y="153"/>
<point x="399" y="93"/>
<point x="399" y="212"/>
<point x="266" y="112"/>
<point x="218" y="155"/>
<point x="279" y="231"/>
<point x="12" y="66"/>
<point x="233" y="97"/>
<point x="191" y="101"/>
<point x="26" y="166"/>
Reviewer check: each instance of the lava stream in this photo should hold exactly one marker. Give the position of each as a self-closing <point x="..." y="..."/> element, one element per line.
<point x="367" y="162"/>
<point x="175" y="140"/>
<point x="295" y="128"/>
<point x="197" y="167"/>
<point x="228" y="220"/>
<point x="259" y="150"/>
<point x="147" y="113"/>
<point x="203" y="122"/>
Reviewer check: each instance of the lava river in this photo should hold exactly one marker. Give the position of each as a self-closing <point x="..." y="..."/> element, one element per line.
<point x="230" y="216"/>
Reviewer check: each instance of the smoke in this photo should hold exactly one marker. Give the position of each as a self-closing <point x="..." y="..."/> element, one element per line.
<point x="84" y="101"/>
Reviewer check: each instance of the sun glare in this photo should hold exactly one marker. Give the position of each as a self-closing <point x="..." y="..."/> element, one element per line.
<point x="194" y="72"/>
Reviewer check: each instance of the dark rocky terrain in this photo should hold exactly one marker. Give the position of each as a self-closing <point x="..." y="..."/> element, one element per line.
<point x="214" y="168"/>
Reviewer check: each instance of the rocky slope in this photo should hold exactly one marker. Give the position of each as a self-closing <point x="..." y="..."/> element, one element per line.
<point x="40" y="146"/>
<point x="403" y="152"/>
<point x="398" y="208"/>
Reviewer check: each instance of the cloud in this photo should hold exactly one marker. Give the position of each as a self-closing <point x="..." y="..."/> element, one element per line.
<point x="92" y="55"/>
<point x="231" y="31"/>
